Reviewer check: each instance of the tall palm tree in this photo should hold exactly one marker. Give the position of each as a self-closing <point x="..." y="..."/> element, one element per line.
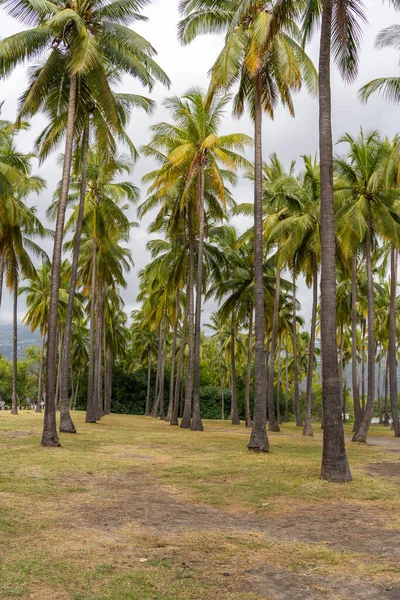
<point x="105" y="226"/>
<point x="262" y="53"/>
<point x="202" y="161"/>
<point x="373" y="210"/>
<point x="84" y="37"/>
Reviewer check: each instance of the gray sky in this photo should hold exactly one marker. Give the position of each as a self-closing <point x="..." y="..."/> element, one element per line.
<point x="188" y="67"/>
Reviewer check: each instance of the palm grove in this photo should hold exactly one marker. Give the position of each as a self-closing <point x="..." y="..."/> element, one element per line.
<point x="334" y="221"/>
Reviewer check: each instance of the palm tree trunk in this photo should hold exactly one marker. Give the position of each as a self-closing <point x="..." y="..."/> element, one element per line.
<point x="156" y="404"/>
<point x="286" y="418"/>
<point x="187" y="410"/>
<point x="98" y="365"/>
<point x="14" y="401"/>
<point x="57" y="394"/>
<point x="248" y="373"/>
<point x="108" y="386"/>
<point x="154" y="410"/>
<point x="91" y="408"/>
<point x="363" y="370"/>
<point x="307" y="429"/>
<point x="235" y="414"/>
<point x="273" y="422"/>
<point x="1" y="276"/>
<point x="361" y="434"/>
<point x="197" y="425"/>
<point x="394" y="401"/>
<point x="40" y="381"/>
<point x="341" y="348"/>
<point x="296" y="392"/>
<point x="179" y="373"/>
<point x="162" y="372"/>
<point x="174" y="342"/>
<point x="354" y="366"/>
<point x="71" y="374"/>
<point x="259" y="439"/>
<point x="334" y="459"/>
<point x="77" y="388"/>
<point x="222" y="395"/>
<point x="50" y="437"/>
<point x="66" y="424"/>
<point x="386" y="418"/>
<point x="379" y="387"/>
<point x="147" y="409"/>
<point x="278" y="386"/>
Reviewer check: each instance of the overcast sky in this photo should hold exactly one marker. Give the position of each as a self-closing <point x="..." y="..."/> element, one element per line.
<point x="188" y="67"/>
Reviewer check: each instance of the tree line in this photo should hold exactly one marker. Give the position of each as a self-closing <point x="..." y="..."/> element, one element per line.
<point x="335" y="222"/>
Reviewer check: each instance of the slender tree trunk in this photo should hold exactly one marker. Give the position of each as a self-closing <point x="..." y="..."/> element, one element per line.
<point x="183" y="386"/>
<point x="296" y="393"/>
<point x="286" y="418"/>
<point x="361" y="434"/>
<point x="278" y="386"/>
<point x="235" y="414"/>
<point x="386" y="419"/>
<point x="394" y="401"/>
<point x="98" y="365"/>
<point x="1" y="275"/>
<point x="50" y="437"/>
<point x="14" y="401"/>
<point x="66" y="424"/>
<point x="273" y="422"/>
<point x="341" y="348"/>
<point x="344" y="397"/>
<point x="222" y="395"/>
<point x="379" y="389"/>
<point x="267" y="357"/>
<point x="354" y="366"/>
<point x="179" y="373"/>
<point x="363" y="370"/>
<point x="187" y="410"/>
<point x="108" y="387"/>
<point x="147" y="409"/>
<point x="156" y="388"/>
<point x="174" y="343"/>
<point x="259" y="439"/>
<point x="77" y="387"/>
<point x="334" y="460"/>
<point x="40" y="381"/>
<point x="248" y="373"/>
<point x="71" y="373"/>
<point x="162" y="372"/>
<point x="57" y="394"/>
<point x="91" y="408"/>
<point x="307" y="429"/>
<point x="156" y="404"/>
<point x="197" y="425"/>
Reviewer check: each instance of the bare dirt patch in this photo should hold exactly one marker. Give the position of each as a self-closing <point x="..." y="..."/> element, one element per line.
<point x="385" y="469"/>
<point x="136" y="502"/>
<point x="282" y="584"/>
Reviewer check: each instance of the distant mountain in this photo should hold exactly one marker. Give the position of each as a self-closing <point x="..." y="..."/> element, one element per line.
<point x="25" y="339"/>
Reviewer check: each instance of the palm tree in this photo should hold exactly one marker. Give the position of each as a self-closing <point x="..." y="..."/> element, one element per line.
<point x="85" y="41"/>
<point x="262" y="53"/>
<point x="103" y="259"/>
<point x="372" y="210"/>
<point x="195" y="155"/>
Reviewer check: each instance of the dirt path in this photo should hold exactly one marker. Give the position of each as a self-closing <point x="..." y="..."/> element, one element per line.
<point x="137" y="503"/>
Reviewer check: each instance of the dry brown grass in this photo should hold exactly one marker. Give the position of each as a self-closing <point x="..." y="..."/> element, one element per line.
<point x="132" y="508"/>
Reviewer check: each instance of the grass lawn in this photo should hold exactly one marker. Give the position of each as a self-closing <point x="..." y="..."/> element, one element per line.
<point x="134" y="509"/>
